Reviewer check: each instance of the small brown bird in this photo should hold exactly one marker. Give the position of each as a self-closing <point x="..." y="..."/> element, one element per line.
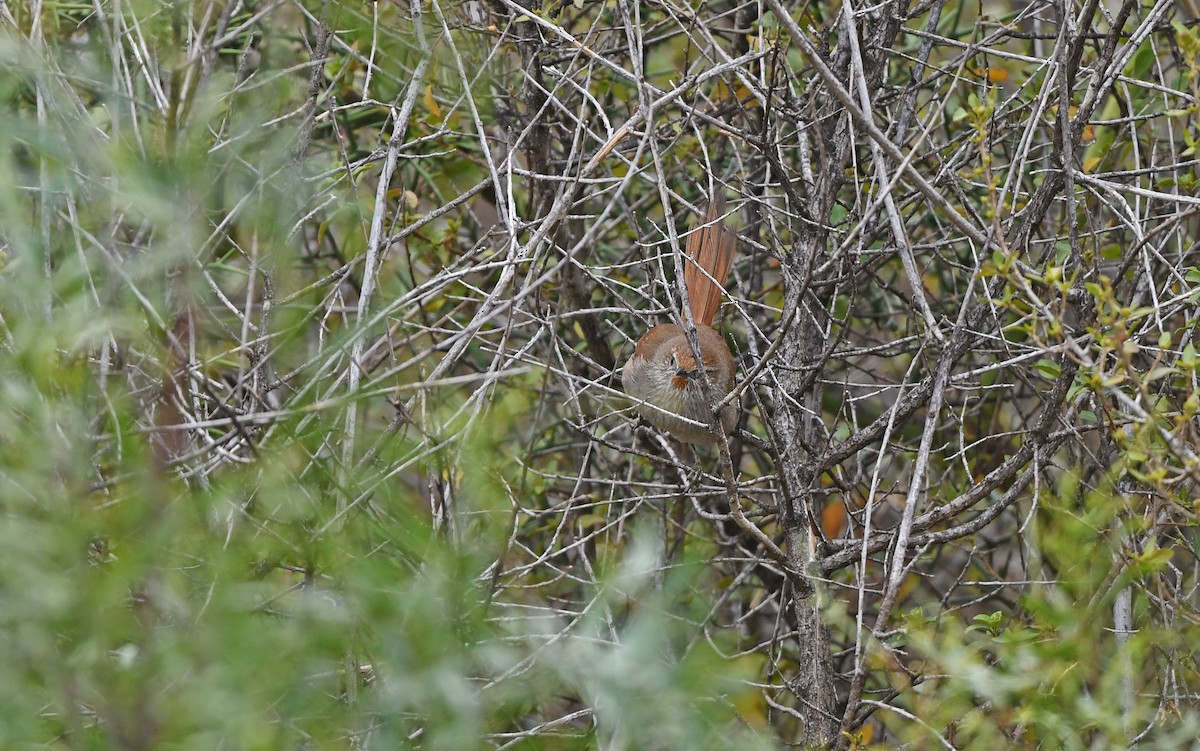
<point x="663" y="373"/>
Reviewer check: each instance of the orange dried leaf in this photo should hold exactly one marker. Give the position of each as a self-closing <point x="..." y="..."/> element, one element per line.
<point x="431" y="103"/>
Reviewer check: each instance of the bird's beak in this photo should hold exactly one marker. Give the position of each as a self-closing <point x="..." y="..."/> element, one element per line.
<point x="681" y="373"/>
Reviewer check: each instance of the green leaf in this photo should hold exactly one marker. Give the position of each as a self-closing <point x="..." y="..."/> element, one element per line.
<point x="1153" y="559"/>
<point x="987" y="623"/>
<point x="1187" y="358"/>
<point x="1160" y="372"/>
<point x="1048" y="368"/>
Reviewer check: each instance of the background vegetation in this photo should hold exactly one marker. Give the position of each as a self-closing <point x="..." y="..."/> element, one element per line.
<point x="310" y="435"/>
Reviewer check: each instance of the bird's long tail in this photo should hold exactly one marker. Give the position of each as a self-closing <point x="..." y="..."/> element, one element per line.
<point x="710" y="255"/>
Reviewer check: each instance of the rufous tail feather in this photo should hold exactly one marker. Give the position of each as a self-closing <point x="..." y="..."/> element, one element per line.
<point x="710" y="256"/>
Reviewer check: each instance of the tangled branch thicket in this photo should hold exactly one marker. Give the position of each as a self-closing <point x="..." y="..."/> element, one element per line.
<point x="313" y="319"/>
